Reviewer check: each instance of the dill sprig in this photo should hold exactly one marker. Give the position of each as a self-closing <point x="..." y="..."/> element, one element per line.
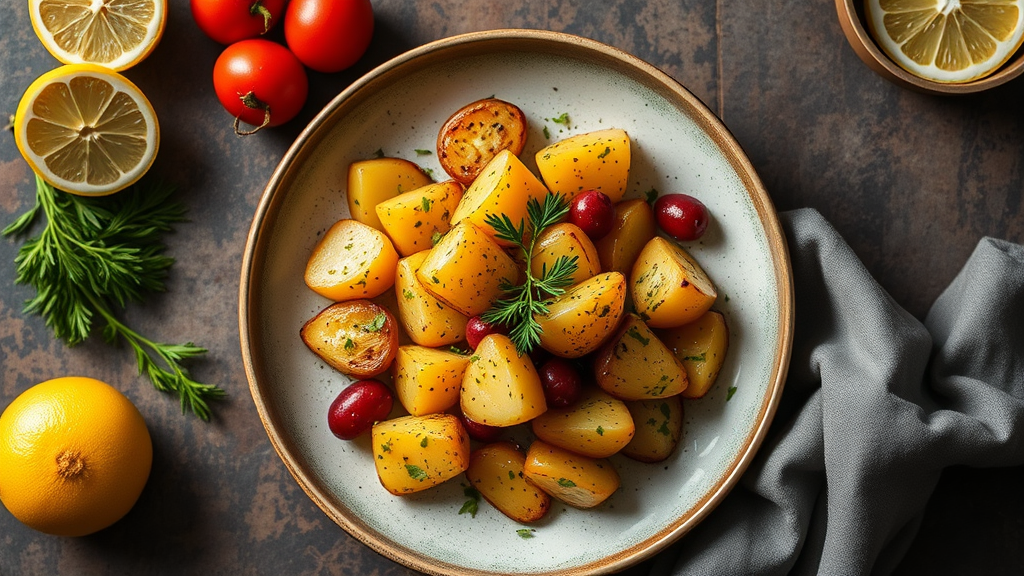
<point x="523" y="301"/>
<point x="94" y="253"/>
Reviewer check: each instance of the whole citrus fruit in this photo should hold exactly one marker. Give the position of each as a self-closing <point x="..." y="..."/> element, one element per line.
<point x="74" y="456"/>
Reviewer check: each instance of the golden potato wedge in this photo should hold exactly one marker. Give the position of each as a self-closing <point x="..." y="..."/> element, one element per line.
<point x="582" y="318"/>
<point x="427" y="320"/>
<point x="659" y="428"/>
<point x="373" y="181"/>
<point x="669" y="287"/>
<point x="565" y="239"/>
<point x="428" y="380"/>
<point x="496" y="471"/>
<point x="701" y="345"/>
<point x="635" y="364"/>
<point x="476" y="133"/>
<point x="592" y="161"/>
<point x="356" y="337"/>
<point x="500" y="387"/>
<point x="577" y="480"/>
<point x="351" y="261"/>
<point x="633" y="229"/>
<point x="503" y="187"/>
<point x="466" y="269"/>
<point x="597" y="426"/>
<point x="414" y="219"/>
<point x="413" y="453"/>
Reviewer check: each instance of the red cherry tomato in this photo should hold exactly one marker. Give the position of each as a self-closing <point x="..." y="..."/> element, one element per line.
<point x="228" y="21"/>
<point x="357" y="407"/>
<point x="681" y="216"/>
<point x="476" y="329"/>
<point x="481" y="432"/>
<point x="328" y="35"/>
<point x="593" y="212"/>
<point x="562" y="383"/>
<point x="260" y="83"/>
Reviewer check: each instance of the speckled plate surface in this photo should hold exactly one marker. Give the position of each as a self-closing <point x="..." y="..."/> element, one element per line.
<point x="677" y="146"/>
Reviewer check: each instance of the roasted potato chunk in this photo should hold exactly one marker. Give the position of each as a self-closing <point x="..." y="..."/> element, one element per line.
<point x="500" y="387"/>
<point x="635" y="364"/>
<point x="427" y="320"/>
<point x="414" y="219"/>
<point x="597" y="426"/>
<point x="476" y="133"/>
<point x="581" y="319"/>
<point x="633" y="229"/>
<point x="496" y="471"/>
<point x="413" y="453"/>
<point x="351" y="261"/>
<point x="428" y="380"/>
<point x="659" y="428"/>
<point x="565" y="240"/>
<point x="592" y="161"/>
<point x="373" y="181"/>
<point x="574" y="479"/>
<point x="669" y="287"/>
<point x="701" y="346"/>
<point x="358" y="337"/>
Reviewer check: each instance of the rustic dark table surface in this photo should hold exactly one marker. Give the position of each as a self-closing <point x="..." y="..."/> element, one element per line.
<point x="911" y="181"/>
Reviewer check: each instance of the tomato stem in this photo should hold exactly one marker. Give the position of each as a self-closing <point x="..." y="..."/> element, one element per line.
<point x="258" y="9"/>
<point x="251" y="101"/>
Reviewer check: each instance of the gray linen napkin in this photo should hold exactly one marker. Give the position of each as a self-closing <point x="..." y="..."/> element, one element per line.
<point x="875" y="406"/>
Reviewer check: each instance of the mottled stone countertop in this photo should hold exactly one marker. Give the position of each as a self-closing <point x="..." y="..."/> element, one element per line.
<point x="911" y="181"/>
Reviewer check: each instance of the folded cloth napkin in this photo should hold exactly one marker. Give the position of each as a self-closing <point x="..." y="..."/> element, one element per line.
<point x="875" y="406"/>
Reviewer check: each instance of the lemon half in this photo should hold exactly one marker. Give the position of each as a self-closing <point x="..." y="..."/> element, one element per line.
<point x="948" y="40"/>
<point x="115" y="33"/>
<point x="86" y="129"/>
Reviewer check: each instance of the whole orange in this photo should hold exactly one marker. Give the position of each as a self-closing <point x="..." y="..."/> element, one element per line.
<point x="74" y="456"/>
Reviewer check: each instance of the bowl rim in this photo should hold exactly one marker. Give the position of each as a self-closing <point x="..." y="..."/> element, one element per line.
<point x="868" y="51"/>
<point x="527" y="40"/>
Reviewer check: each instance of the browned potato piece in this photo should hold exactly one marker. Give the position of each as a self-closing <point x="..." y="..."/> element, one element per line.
<point x="351" y="261"/>
<point x="501" y="387"/>
<point x="635" y="364"/>
<point x="427" y="320"/>
<point x="373" y="181"/>
<point x="701" y="346"/>
<point x="669" y="288"/>
<point x="581" y="319"/>
<point x="476" y="133"/>
<point x="496" y="471"/>
<point x="597" y="426"/>
<point x="414" y="219"/>
<point x="659" y="428"/>
<point x="565" y="239"/>
<point x="428" y="380"/>
<point x="634" y="227"/>
<point x="413" y="453"/>
<point x="576" y="480"/>
<point x="593" y="161"/>
<point x="357" y="337"/>
<point x="466" y="269"/>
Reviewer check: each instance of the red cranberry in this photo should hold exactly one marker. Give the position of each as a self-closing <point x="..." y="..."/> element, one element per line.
<point x="681" y="216"/>
<point x="357" y="407"/>
<point x="478" y="431"/>
<point x="476" y="329"/>
<point x="593" y="212"/>
<point x="561" y="381"/>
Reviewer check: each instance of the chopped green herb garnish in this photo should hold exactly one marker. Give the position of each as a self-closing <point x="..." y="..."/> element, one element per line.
<point x="566" y="483"/>
<point x="423" y="152"/>
<point x="700" y="358"/>
<point x="434" y="278"/>
<point x="386" y="447"/>
<point x="664" y="429"/>
<point x="377" y="323"/>
<point x="525" y="533"/>
<point x="435" y="238"/>
<point x="428" y="172"/>
<point x="547" y="133"/>
<point x="349" y="344"/>
<point x="426" y="204"/>
<point x="563" y="119"/>
<point x="600" y="431"/>
<point x="606" y="152"/>
<point x="379" y="153"/>
<point x="635" y="334"/>
<point x="651" y="195"/>
<point x="423" y="443"/>
<point x="732" y="390"/>
<point x="415" y="472"/>
<point x="472" y="504"/>
<point x="474" y="358"/>
<point x="408" y="294"/>
<point x="665" y="410"/>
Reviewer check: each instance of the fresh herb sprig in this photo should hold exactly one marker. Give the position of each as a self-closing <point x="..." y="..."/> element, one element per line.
<point x="94" y="253"/>
<point x="521" y="302"/>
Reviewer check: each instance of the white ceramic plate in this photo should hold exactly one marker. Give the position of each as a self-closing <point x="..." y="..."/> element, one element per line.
<point x="677" y="146"/>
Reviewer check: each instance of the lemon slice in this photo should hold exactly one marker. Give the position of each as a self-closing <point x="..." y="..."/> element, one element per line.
<point x="948" y="40"/>
<point x="115" y="33"/>
<point x="86" y="129"/>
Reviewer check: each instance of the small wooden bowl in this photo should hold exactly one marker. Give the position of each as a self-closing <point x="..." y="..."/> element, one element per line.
<point x="853" y="21"/>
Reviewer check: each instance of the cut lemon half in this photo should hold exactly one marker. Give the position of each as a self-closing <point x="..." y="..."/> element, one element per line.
<point x="86" y="129"/>
<point x="115" y="33"/>
<point x="948" y="40"/>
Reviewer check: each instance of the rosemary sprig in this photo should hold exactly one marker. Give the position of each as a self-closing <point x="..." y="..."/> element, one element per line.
<point x="523" y="301"/>
<point x="94" y="253"/>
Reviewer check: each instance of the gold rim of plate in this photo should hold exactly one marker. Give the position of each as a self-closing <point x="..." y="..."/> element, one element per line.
<point x="499" y="41"/>
<point x="851" y="19"/>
